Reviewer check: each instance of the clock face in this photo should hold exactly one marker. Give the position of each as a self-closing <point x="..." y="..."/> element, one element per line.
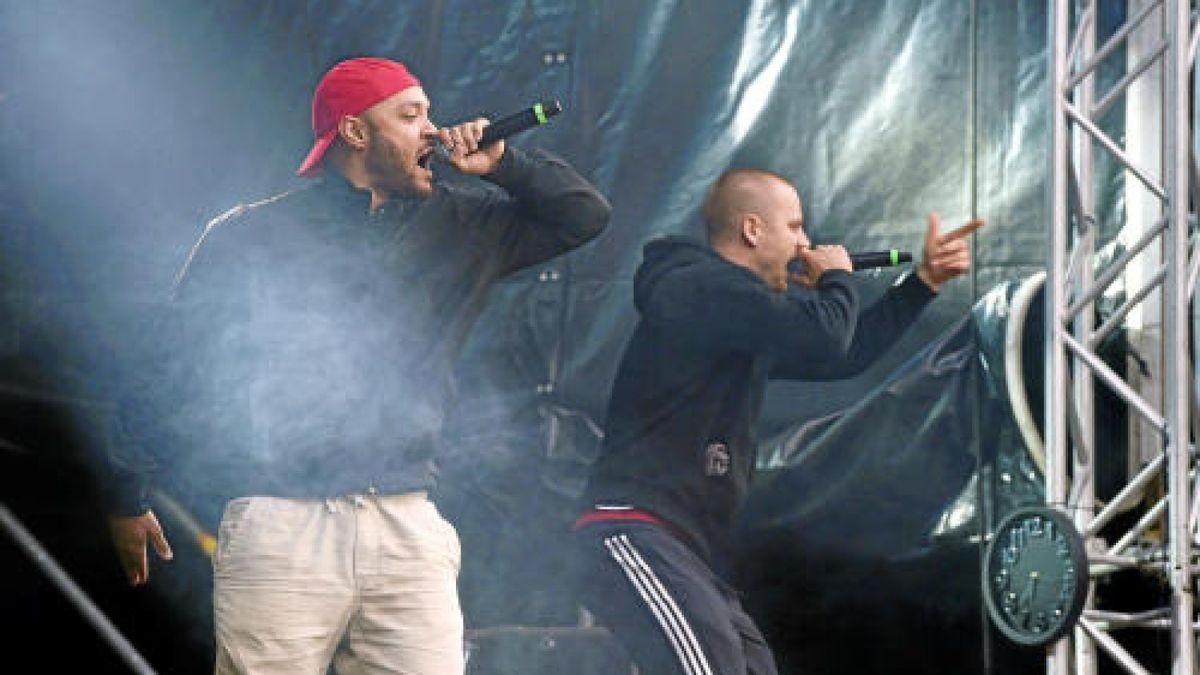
<point x="1035" y="576"/>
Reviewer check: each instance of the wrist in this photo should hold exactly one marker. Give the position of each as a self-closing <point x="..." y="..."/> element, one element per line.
<point x="926" y="277"/>
<point x="509" y="169"/>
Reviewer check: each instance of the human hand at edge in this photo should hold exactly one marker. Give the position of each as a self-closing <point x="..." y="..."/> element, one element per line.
<point x="130" y="535"/>
<point x="945" y="256"/>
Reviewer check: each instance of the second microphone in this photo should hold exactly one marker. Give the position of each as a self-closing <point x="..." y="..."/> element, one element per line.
<point x="877" y="259"/>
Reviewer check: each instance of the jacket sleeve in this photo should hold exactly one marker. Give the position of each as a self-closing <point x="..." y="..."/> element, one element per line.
<point x="875" y="331"/>
<point x="550" y="209"/>
<point x="158" y="377"/>
<point x="723" y="306"/>
<point x="132" y="464"/>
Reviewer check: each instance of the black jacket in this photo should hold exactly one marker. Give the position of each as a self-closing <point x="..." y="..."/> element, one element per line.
<point x="680" y="431"/>
<point x="309" y="349"/>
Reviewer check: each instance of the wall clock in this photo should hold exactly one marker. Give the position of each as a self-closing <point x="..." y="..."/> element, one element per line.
<point x="1035" y="576"/>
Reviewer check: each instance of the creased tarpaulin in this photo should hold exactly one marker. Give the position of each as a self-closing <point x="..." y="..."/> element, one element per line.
<point x="878" y="110"/>
<point x="874" y="481"/>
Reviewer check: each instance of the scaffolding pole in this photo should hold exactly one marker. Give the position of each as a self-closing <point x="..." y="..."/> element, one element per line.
<point x="1156" y="154"/>
<point x="73" y="593"/>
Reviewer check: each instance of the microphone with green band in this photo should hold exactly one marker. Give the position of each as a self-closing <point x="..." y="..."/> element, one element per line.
<point x="888" y="258"/>
<point x="533" y="116"/>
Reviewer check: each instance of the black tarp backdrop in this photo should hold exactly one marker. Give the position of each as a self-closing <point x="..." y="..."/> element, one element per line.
<point x="125" y="125"/>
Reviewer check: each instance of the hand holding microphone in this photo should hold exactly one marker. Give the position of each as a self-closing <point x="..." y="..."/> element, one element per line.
<point x="816" y="260"/>
<point x="945" y="256"/>
<point x="476" y="147"/>
<point x="462" y="146"/>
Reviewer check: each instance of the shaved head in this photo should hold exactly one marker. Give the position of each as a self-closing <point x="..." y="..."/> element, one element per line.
<point x="754" y="219"/>
<point x="736" y="193"/>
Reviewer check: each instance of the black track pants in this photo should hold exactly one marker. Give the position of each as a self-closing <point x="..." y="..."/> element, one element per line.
<point x="665" y="606"/>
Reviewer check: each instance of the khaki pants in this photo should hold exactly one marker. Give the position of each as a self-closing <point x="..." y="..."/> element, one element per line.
<point x="368" y="582"/>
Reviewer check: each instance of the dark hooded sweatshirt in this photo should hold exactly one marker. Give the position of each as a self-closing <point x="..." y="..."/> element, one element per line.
<point x="681" y="427"/>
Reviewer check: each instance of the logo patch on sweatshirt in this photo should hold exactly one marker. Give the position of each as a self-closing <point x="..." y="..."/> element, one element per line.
<point x="716" y="459"/>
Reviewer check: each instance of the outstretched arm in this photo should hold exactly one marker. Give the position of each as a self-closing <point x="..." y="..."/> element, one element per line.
<point x="945" y="256"/>
<point x="724" y="306"/>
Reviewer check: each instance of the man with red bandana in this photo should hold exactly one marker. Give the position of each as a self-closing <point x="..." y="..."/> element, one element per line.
<point x="308" y="363"/>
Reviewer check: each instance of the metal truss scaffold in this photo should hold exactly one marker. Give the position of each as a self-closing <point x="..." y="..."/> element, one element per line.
<point x="1155" y="153"/>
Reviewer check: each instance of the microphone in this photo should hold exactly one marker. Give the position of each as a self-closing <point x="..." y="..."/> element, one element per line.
<point x="533" y="116"/>
<point x="874" y="259"/>
<point x="866" y="261"/>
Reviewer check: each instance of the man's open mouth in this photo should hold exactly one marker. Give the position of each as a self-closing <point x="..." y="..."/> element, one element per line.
<point x="425" y="158"/>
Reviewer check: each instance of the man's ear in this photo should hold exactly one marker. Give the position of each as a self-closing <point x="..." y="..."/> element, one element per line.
<point x="353" y="131"/>
<point x="750" y="225"/>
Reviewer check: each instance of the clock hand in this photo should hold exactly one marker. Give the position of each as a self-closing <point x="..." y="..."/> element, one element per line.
<point x="1025" y="600"/>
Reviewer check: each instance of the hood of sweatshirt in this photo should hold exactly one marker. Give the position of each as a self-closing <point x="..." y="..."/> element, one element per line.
<point x="668" y="254"/>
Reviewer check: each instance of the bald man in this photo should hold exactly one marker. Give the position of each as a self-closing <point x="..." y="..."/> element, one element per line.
<point x="718" y="321"/>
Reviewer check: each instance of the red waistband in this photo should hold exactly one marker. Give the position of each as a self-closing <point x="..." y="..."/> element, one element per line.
<point x="610" y="515"/>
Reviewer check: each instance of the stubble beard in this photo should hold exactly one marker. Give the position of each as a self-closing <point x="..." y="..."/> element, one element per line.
<point x="389" y="169"/>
